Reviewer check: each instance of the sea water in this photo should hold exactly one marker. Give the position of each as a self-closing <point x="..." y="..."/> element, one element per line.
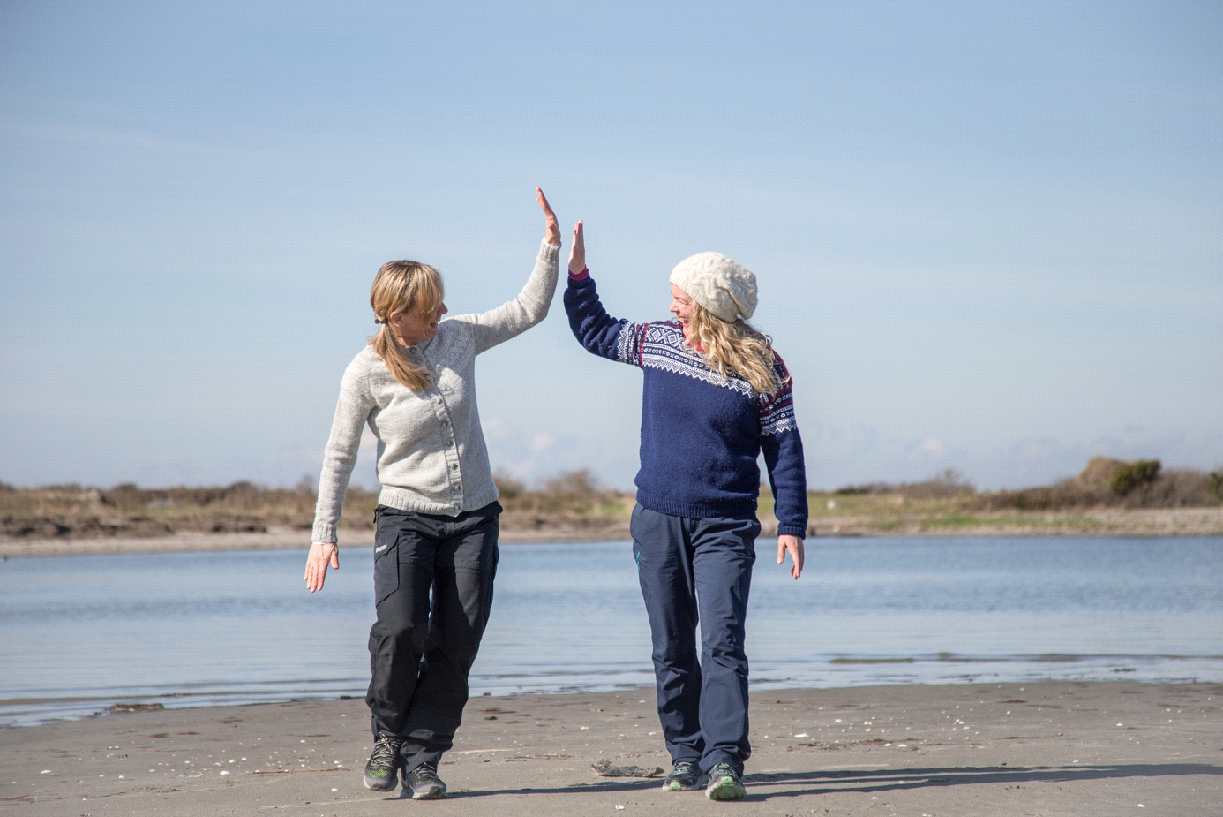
<point x="79" y="634"/>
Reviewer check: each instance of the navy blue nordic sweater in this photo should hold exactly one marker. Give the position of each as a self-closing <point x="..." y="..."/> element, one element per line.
<point x="700" y="432"/>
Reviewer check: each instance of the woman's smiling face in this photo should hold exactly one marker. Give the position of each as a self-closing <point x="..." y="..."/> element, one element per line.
<point x="416" y="326"/>
<point x="681" y="306"/>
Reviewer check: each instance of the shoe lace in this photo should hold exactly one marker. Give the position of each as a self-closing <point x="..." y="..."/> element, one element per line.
<point x="426" y="772"/>
<point x="384" y="752"/>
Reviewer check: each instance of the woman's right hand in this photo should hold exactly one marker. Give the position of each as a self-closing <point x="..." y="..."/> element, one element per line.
<point x="552" y="227"/>
<point x="577" y="253"/>
<point x="320" y="556"/>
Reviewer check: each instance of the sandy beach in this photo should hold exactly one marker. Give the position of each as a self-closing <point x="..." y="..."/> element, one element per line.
<point x="1113" y="748"/>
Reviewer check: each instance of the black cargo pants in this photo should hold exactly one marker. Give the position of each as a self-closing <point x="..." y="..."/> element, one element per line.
<point x="433" y="585"/>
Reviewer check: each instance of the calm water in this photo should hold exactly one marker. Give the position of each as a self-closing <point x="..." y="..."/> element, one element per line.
<point x="78" y="634"/>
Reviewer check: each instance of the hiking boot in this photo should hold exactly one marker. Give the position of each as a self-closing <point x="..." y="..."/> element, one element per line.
<point x="724" y="784"/>
<point x="424" y="783"/>
<point x="383" y="763"/>
<point x="684" y="776"/>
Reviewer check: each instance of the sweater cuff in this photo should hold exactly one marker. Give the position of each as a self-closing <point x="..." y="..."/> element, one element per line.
<point x="791" y="530"/>
<point x="324" y="533"/>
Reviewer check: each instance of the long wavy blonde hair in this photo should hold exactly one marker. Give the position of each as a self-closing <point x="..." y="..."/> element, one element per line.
<point x="734" y="348"/>
<point x="403" y="286"/>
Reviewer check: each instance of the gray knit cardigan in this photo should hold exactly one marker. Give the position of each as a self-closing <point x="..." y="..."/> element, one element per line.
<point x="431" y="452"/>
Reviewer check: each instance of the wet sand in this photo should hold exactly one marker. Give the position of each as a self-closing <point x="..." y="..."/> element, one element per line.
<point x="1116" y="748"/>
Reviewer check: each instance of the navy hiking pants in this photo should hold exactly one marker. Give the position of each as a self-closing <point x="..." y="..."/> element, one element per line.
<point x="698" y="570"/>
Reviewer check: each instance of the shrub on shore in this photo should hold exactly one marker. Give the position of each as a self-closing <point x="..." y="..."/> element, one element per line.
<point x="1133" y="475"/>
<point x="572" y="494"/>
<point x="1108" y="482"/>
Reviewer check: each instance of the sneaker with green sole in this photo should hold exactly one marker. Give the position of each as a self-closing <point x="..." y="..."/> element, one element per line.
<point x="724" y="784"/>
<point x="380" y="771"/>
<point x="423" y="783"/>
<point x="684" y="776"/>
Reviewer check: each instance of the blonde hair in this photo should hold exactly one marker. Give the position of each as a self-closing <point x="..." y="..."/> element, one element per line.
<point x="734" y="348"/>
<point x="403" y="287"/>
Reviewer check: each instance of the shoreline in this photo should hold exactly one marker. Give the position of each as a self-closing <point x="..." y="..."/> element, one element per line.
<point x="1038" y="748"/>
<point x="1160" y="523"/>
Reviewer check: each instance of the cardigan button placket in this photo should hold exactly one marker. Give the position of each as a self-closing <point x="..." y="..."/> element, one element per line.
<point x="452" y="454"/>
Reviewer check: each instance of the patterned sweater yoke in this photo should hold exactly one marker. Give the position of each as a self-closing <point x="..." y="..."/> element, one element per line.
<point x="701" y="432"/>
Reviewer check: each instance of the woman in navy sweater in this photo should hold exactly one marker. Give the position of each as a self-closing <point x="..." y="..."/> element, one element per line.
<point x="714" y="396"/>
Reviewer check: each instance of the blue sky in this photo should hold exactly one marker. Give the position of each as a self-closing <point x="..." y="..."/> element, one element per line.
<point x="989" y="236"/>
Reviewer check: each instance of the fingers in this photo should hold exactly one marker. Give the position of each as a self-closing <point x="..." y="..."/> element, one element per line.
<point x="797" y="554"/>
<point x="543" y="203"/>
<point x="552" y="227"/>
<point x="316" y="565"/>
<point x="314" y="576"/>
<point x="577" y="252"/>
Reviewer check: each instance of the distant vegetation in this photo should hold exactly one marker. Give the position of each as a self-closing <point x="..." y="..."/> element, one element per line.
<point x="574" y="505"/>
<point x="1114" y="483"/>
<point x="1104" y="482"/>
<point x="948" y="483"/>
<point x="127" y="510"/>
<point x="243" y="507"/>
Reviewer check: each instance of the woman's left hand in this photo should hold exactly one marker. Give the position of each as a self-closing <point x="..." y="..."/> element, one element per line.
<point x="577" y="253"/>
<point x="791" y="543"/>
<point x="552" y="227"/>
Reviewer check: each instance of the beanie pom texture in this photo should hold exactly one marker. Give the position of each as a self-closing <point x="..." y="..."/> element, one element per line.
<point x="722" y="286"/>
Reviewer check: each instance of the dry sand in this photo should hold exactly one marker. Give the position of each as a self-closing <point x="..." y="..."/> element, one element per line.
<point x="1114" y="748"/>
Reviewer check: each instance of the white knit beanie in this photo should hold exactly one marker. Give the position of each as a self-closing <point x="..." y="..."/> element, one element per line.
<point x="717" y="283"/>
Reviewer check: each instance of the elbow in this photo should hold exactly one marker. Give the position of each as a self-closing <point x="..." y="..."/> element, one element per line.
<point x="541" y="312"/>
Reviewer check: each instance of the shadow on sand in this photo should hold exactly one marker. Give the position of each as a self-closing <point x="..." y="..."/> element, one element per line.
<point x="798" y="784"/>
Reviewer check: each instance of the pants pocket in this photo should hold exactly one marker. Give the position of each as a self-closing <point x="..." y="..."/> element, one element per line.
<point x="386" y="562"/>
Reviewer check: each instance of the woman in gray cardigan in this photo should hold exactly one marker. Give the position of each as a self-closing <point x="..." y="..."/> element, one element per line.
<point x="435" y="548"/>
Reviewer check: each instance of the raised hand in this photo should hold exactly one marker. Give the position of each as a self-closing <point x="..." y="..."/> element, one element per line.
<point x="577" y="253"/>
<point x="552" y="227"/>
